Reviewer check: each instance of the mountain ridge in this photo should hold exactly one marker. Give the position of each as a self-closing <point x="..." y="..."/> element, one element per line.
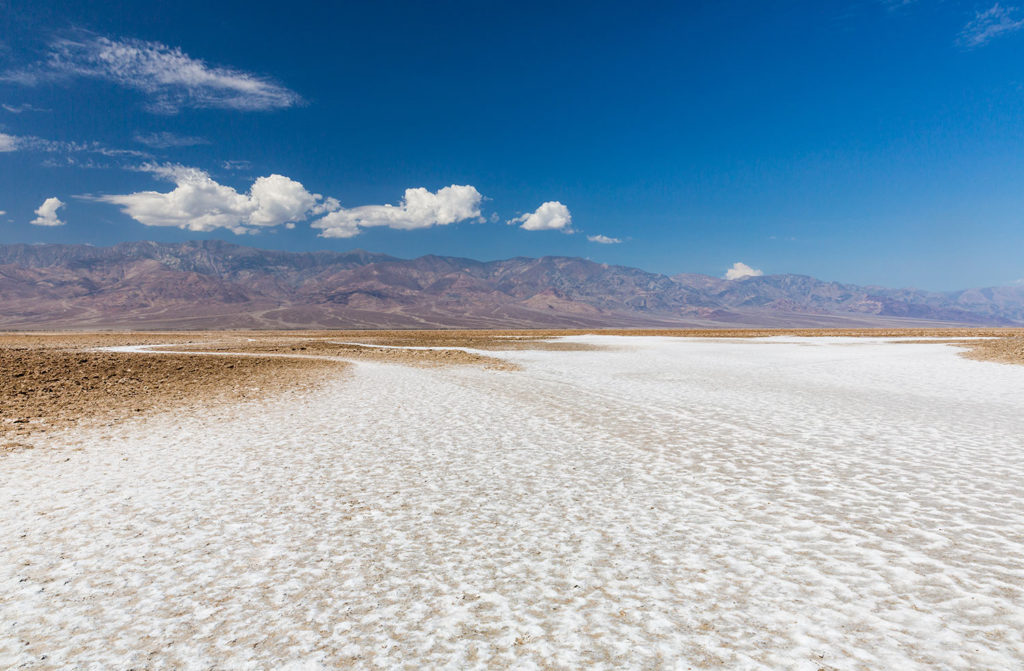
<point x="218" y="284"/>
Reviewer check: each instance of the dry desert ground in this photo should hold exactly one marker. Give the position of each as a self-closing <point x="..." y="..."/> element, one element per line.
<point x="520" y="499"/>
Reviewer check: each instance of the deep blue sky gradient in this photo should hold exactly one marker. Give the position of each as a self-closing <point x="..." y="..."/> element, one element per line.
<point x="854" y="141"/>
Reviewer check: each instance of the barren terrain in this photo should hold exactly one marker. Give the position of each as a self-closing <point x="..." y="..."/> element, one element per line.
<point x="56" y="380"/>
<point x="601" y="502"/>
<point x="216" y="285"/>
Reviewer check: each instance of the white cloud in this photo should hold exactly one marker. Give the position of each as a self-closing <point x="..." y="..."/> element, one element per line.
<point x="337" y="225"/>
<point x="550" y="216"/>
<point x="986" y="25"/>
<point x="279" y="200"/>
<point x="740" y="270"/>
<point x="3" y="212"/>
<point x="8" y="143"/>
<point x="198" y="203"/>
<point x="604" y="239"/>
<point x="329" y="204"/>
<point x="25" y="107"/>
<point x="419" y="209"/>
<point x="172" y="79"/>
<point x="165" y="139"/>
<point x="33" y="143"/>
<point x="46" y="215"/>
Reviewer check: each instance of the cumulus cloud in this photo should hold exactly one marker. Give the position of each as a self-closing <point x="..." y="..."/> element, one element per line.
<point x="991" y="23"/>
<point x="604" y="239"/>
<point x="279" y="200"/>
<point x="8" y="142"/>
<point x="550" y="216"/>
<point x="419" y="209"/>
<point x="198" y="203"/>
<point x="165" y="139"/>
<point x="740" y="270"/>
<point x="170" y="78"/>
<point x="46" y="214"/>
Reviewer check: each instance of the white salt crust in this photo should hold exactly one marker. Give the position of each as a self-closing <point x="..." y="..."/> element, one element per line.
<point x="665" y="503"/>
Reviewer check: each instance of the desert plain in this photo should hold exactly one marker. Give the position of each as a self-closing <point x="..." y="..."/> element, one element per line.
<point x="54" y="380"/>
<point x="512" y="499"/>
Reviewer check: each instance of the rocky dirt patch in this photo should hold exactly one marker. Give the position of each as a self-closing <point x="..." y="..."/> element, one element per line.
<point x="42" y="388"/>
<point x="1002" y="350"/>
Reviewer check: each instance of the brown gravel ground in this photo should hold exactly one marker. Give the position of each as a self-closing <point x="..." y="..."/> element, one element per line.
<point x="46" y="388"/>
<point x="55" y="380"/>
<point x="1003" y="350"/>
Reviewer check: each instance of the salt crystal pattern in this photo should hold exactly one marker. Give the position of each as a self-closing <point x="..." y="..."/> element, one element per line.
<point x="660" y="503"/>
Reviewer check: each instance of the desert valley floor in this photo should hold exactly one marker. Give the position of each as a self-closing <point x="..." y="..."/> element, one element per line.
<point x="619" y="502"/>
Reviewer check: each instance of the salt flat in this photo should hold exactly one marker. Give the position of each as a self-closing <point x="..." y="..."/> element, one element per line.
<point x="798" y="503"/>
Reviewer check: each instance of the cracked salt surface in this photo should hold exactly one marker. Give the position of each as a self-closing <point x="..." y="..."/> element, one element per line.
<point x="668" y="503"/>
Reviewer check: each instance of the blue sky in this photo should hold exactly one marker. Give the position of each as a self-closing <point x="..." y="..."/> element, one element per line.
<point x="872" y="142"/>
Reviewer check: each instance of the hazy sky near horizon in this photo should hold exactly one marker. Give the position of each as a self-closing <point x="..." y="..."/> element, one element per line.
<point x="876" y="142"/>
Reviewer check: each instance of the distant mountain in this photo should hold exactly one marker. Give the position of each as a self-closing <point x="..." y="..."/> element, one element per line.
<point x="213" y="284"/>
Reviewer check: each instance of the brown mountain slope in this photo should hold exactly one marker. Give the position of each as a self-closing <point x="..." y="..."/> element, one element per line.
<point x="213" y="284"/>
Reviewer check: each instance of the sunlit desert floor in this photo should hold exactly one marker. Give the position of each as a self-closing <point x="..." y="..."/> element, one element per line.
<point x="797" y="503"/>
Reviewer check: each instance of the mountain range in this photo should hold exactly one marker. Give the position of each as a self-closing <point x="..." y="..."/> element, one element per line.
<point x="214" y="284"/>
